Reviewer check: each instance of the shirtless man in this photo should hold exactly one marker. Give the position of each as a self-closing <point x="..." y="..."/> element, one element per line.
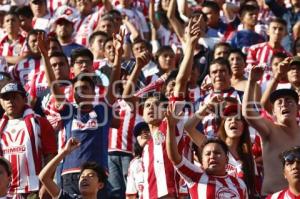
<point x="276" y="136"/>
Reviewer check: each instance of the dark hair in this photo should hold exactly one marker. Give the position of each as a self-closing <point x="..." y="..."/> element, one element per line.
<point x="238" y="51"/>
<point x="59" y="54"/>
<point x="221" y="44"/>
<point x="211" y="4"/>
<point x="244" y="151"/>
<point x="247" y="8"/>
<point x="138" y="150"/>
<point x="101" y="174"/>
<point x="114" y="12"/>
<point x="173" y="74"/>
<point x="158" y="95"/>
<point x="160" y="51"/>
<point x="107" y="40"/>
<point x="279" y="55"/>
<point x="221" y="61"/>
<point x="278" y="20"/>
<point x="33" y="32"/>
<point x="85" y="78"/>
<point x="78" y="52"/>
<point x="7" y="166"/>
<point x="12" y="12"/>
<point x="216" y="141"/>
<point x="24" y="11"/>
<point x="162" y="16"/>
<point x="95" y="34"/>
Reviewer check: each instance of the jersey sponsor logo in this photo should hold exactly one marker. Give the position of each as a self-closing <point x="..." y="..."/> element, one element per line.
<point x="90" y="125"/>
<point x="14" y="150"/>
<point x="158" y="138"/>
<point x="225" y="192"/>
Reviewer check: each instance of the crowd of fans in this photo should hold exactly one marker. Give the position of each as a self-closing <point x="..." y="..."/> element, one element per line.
<point x="149" y="99"/>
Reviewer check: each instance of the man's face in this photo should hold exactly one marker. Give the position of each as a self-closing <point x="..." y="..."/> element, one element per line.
<point x="152" y="113"/>
<point x="39" y="9"/>
<point x="25" y="23"/>
<point x="33" y="44"/>
<point x="212" y="16"/>
<point x="97" y="46"/>
<point x="83" y="64"/>
<point x="85" y="7"/>
<point x="276" y="31"/>
<point x="4" y="179"/>
<point x="138" y="48"/>
<point x="250" y="18"/>
<point x="237" y="63"/>
<point x="221" y="52"/>
<point x="89" y="183"/>
<point x="60" y="68"/>
<point x="11" y="24"/>
<point x="220" y="77"/>
<point x="214" y="160"/>
<point x="64" y="29"/>
<point x="54" y="47"/>
<point x="83" y="93"/>
<point x="166" y="61"/>
<point x="291" y="170"/>
<point x="285" y="109"/>
<point x="13" y="104"/>
<point x="109" y="51"/>
<point x="106" y="26"/>
<point x="293" y="74"/>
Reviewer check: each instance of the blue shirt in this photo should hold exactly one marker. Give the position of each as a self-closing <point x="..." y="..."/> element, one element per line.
<point x="91" y="129"/>
<point x="67" y="49"/>
<point x="245" y="38"/>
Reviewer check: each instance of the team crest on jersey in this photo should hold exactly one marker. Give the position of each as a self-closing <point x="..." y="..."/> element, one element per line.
<point x="158" y="138"/>
<point x="224" y="192"/>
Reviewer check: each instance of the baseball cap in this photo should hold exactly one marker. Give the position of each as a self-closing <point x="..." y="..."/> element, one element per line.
<point x="139" y="127"/>
<point x="6" y="164"/>
<point x="38" y="1"/>
<point x="66" y="13"/>
<point x="12" y="87"/>
<point x="295" y="60"/>
<point x="283" y="92"/>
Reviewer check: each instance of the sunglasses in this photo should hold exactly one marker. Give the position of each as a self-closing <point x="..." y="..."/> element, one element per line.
<point x="291" y="157"/>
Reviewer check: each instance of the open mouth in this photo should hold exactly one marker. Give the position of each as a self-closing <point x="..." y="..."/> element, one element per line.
<point x="84" y="184"/>
<point x="284" y="112"/>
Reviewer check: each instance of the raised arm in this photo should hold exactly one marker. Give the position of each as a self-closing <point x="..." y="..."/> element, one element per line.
<point x="185" y="68"/>
<point x="132" y="29"/>
<point x="281" y="71"/>
<point x="152" y="17"/>
<point x="141" y="61"/>
<point x="191" y="124"/>
<point x="171" y="144"/>
<point x="116" y="68"/>
<point x="46" y="175"/>
<point x="57" y="93"/>
<point x="249" y="109"/>
<point x="176" y="25"/>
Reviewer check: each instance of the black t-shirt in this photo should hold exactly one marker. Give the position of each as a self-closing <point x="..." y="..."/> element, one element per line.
<point x="66" y="195"/>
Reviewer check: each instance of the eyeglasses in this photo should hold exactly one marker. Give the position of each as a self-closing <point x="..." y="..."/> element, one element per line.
<point x="291" y="157"/>
<point x="81" y="62"/>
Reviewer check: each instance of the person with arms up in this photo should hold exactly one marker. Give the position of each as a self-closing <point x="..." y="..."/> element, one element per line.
<point x="276" y="136"/>
<point x="91" y="180"/>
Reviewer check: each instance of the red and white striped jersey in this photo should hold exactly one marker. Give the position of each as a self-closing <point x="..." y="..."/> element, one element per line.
<point x="159" y="174"/>
<point x="85" y="26"/>
<point x="42" y="23"/>
<point x="234" y="167"/>
<point x="11" y="49"/>
<point x="52" y="5"/>
<point x="283" y="194"/>
<point x="37" y="85"/>
<point x="27" y="69"/>
<point x="261" y="54"/>
<point x="24" y="142"/>
<point x="122" y="139"/>
<point x="135" y="178"/>
<point x="202" y="185"/>
<point x="153" y="86"/>
<point x="209" y="122"/>
<point x="99" y="63"/>
<point x="167" y="37"/>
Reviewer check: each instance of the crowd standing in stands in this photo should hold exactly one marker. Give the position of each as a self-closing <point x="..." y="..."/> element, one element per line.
<point x="170" y="99"/>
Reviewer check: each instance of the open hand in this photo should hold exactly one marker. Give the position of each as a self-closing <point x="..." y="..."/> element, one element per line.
<point x="42" y="43"/>
<point x="118" y="40"/>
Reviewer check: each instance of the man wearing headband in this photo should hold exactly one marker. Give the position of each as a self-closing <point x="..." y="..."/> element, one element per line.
<point x="278" y="135"/>
<point x="291" y="171"/>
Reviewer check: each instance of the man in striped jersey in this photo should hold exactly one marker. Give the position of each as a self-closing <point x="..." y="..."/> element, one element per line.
<point x="210" y="180"/>
<point x="291" y="171"/>
<point x="262" y="53"/>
